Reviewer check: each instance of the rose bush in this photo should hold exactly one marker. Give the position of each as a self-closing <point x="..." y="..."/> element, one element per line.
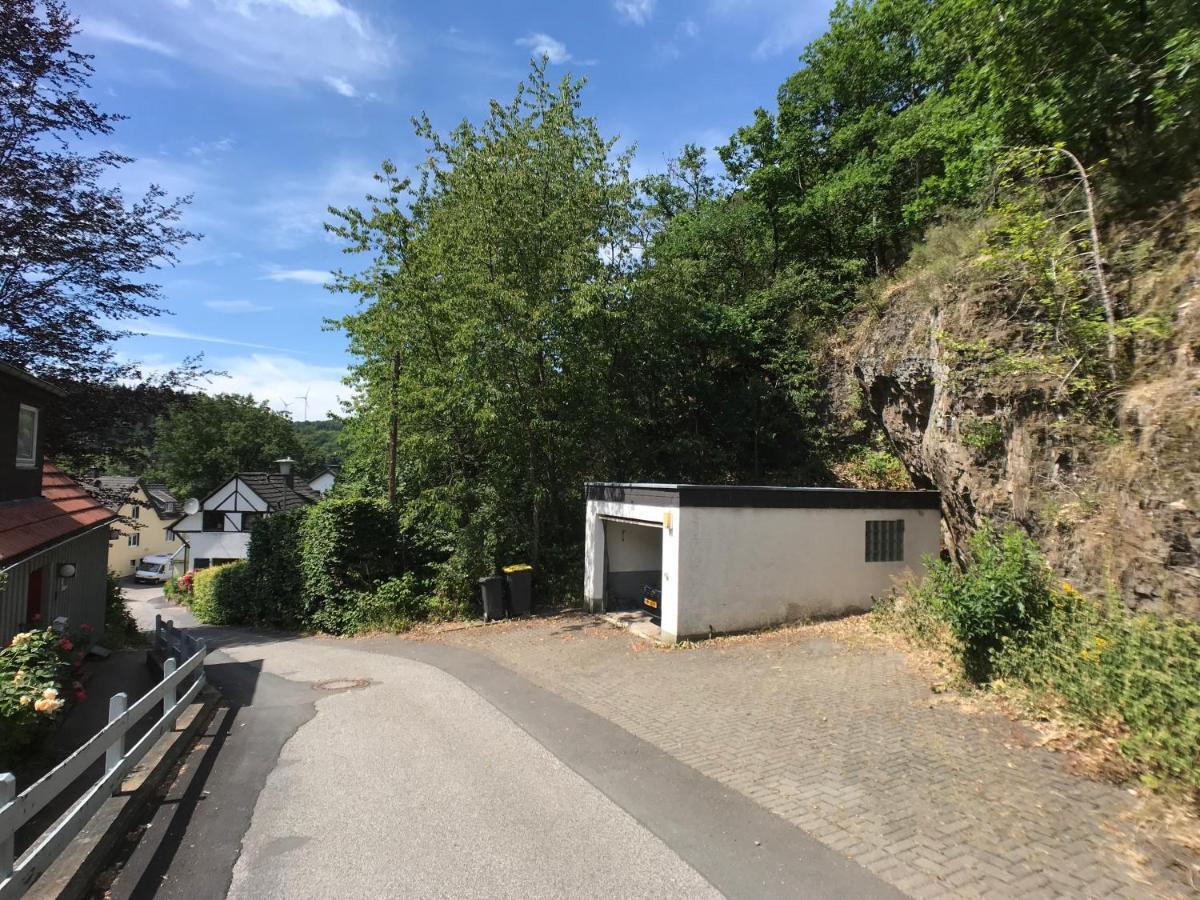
<point x="38" y="672"/>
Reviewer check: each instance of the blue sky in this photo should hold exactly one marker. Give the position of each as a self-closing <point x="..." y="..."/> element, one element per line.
<point x="268" y="111"/>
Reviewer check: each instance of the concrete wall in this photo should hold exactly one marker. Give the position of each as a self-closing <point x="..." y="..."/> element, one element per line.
<point x="80" y="599"/>
<point x="745" y="568"/>
<point x="217" y="545"/>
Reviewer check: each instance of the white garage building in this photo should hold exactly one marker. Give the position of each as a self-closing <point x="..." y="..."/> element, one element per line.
<point x="729" y="558"/>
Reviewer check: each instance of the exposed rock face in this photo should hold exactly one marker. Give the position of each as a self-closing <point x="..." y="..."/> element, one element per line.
<point x="1116" y="508"/>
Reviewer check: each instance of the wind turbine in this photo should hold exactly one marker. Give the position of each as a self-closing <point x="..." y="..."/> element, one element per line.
<point x="287" y="407"/>
<point x="305" y="399"/>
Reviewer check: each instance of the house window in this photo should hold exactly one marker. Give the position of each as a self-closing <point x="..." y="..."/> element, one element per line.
<point x="214" y="520"/>
<point x="169" y="536"/>
<point x="248" y="520"/>
<point x="885" y="541"/>
<point x="202" y="562"/>
<point x="135" y="539"/>
<point x="27" y="429"/>
<point x="135" y="512"/>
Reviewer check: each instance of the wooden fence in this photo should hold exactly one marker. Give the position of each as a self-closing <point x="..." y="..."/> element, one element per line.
<point x="182" y="656"/>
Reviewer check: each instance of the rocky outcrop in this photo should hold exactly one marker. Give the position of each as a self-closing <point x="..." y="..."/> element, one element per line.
<point x="1115" y="499"/>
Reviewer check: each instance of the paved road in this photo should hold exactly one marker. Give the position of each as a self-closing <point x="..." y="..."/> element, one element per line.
<point x="427" y="771"/>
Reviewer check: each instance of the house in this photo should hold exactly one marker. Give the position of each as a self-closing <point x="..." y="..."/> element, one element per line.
<point x="324" y="479"/>
<point x="217" y="528"/>
<point x="53" y="533"/>
<point x="724" y="558"/>
<point x="146" y="511"/>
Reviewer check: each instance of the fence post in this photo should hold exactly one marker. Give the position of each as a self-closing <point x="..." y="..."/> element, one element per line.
<point x="8" y="793"/>
<point x="169" y="696"/>
<point x="117" y="705"/>
<point x="157" y="632"/>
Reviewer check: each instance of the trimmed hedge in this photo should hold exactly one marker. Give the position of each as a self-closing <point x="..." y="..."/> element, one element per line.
<point x="219" y="592"/>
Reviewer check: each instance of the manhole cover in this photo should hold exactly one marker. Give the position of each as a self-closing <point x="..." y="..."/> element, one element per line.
<point x="341" y="684"/>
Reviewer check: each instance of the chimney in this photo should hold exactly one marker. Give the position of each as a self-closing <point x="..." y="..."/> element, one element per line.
<point x="285" y="469"/>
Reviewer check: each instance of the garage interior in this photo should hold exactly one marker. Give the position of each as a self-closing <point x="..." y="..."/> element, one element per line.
<point x="632" y="564"/>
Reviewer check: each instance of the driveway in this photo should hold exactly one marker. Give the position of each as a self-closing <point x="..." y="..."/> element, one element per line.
<point x="395" y="768"/>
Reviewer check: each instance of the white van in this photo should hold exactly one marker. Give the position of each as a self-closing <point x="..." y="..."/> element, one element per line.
<point x="153" y="569"/>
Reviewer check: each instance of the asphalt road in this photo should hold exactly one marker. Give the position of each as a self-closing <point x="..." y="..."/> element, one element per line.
<point x="390" y="768"/>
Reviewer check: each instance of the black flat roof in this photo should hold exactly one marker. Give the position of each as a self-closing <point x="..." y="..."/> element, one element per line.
<point x="758" y="496"/>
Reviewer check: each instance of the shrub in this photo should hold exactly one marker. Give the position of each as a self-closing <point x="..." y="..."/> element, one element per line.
<point x="217" y="594"/>
<point x="1102" y="664"/>
<point x="348" y="547"/>
<point x="1001" y="594"/>
<point x="396" y="604"/>
<point x="274" y="587"/>
<point x="35" y="671"/>
<point x="120" y="628"/>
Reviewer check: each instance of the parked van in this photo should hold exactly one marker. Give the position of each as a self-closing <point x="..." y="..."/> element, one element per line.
<point x="153" y="569"/>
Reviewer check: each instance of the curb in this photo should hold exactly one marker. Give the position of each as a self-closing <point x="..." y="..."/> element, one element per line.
<point x="71" y="875"/>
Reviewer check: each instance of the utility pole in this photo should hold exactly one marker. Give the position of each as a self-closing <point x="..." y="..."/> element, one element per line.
<point x="393" y="428"/>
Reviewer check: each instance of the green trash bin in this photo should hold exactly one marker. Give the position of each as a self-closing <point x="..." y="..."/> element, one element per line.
<point x="492" y="589"/>
<point x="520" y="589"/>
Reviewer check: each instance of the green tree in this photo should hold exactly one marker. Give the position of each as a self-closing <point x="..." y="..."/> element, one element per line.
<point x="201" y="444"/>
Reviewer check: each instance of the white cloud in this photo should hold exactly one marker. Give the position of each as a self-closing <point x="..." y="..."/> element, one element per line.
<point x="341" y="85"/>
<point x="685" y="31"/>
<point x="304" y="276"/>
<point x="541" y="45"/>
<point x="151" y="329"/>
<point x="108" y="30"/>
<point x="637" y="12"/>
<point x="282" y="382"/>
<point x="688" y="28"/>
<point x="236" y="307"/>
<point x="206" y="150"/>
<point x="275" y="42"/>
<point x="294" y="210"/>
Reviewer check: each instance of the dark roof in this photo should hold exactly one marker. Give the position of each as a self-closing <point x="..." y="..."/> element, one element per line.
<point x="164" y="501"/>
<point x="64" y="509"/>
<point x="757" y="496"/>
<point x="31" y="380"/>
<point x="275" y="491"/>
<point x="114" y="490"/>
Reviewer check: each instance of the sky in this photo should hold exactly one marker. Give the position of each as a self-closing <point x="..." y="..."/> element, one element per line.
<point x="267" y="112"/>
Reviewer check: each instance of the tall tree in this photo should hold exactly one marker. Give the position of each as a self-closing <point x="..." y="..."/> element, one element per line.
<point x="75" y="252"/>
<point x="201" y="443"/>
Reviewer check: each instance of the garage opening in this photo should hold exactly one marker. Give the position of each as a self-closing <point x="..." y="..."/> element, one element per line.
<point x="632" y="564"/>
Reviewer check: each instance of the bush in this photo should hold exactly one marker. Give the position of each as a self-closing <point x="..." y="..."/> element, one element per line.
<point x="217" y="594"/>
<point x="348" y="548"/>
<point x="35" y="671"/>
<point x="1063" y="652"/>
<point x="1102" y="664"/>
<point x="1000" y="596"/>
<point x="120" y="628"/>
<point x="396" y="605"/>
<point x="274" y="587"/>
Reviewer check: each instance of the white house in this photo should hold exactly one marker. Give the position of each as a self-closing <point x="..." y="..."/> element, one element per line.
<point x="736" y="558"/>
<point x="217" y="528"/>
<point x="324" y="481"/>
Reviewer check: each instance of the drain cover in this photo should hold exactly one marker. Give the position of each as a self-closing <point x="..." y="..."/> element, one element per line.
<point x="341" y="684"/>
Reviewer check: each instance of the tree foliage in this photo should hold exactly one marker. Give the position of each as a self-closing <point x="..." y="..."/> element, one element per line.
<point x="200" y="444"/>
<point x="76" y="252"/>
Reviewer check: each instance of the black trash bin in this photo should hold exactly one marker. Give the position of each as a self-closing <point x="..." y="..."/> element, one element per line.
<point x="520" y="589"/>
<point x="492" y="589"/>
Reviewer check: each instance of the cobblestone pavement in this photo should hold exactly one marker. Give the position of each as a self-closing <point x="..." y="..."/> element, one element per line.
<point x="848" y="743"/>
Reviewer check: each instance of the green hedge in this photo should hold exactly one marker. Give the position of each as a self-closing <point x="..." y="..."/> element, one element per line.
<point x="348" y="548"/>
<point x="219" y="594"/>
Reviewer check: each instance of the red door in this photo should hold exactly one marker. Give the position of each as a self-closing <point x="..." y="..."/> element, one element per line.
<point x="33" y="598"/>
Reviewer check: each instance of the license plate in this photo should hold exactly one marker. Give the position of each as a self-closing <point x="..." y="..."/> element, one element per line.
<point x="653" y="604"/>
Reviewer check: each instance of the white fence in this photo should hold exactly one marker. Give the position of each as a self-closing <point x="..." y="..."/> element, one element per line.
<point x="182" y="655"/>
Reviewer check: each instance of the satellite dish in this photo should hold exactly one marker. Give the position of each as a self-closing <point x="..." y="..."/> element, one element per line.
<point x="191" y="506"/>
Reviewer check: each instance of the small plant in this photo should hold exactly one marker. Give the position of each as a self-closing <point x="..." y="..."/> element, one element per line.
<point x="873" y="468"/>
<point x="984" y="435"/>
<point x="120" y="628"/>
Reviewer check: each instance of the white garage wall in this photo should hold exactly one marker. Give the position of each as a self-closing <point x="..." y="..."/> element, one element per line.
<point x="217" y="545"/>
<point x="742" y="568"/>
<point x="595" y="546"/>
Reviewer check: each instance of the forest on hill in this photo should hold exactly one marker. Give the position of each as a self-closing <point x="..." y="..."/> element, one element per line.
<point x="533" y="317"/>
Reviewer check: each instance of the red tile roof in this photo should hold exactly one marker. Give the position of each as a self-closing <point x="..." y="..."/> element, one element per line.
<point x="63" y="509"/>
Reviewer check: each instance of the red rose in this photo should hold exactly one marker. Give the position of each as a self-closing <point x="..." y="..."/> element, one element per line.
<point x="66" y="644"/>
<point x="81" y="695"/>
<point x="85" y="628"/>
